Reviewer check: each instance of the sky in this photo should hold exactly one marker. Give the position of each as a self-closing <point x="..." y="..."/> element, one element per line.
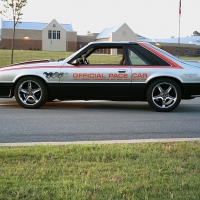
<point x="153" y="19"/>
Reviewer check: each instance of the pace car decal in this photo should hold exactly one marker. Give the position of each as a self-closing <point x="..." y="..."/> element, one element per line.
<point x="190" y="75"/>
<point x="139" y="76"/>
<point x="88" y="76"/>
<point x="99" y="76"/>
<point x="55" y="74"/>
<point x="110" y="76"/>
<point x="95" y="76"/>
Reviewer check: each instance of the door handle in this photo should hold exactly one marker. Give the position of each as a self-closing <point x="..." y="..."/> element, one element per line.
<point x="121" y="70"/>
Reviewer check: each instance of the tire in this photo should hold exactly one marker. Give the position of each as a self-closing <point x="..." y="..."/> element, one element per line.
<point x="164" y="95"/>
<point x="31" y="92"/>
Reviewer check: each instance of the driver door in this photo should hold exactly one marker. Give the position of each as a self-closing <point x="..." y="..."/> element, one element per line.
<point x="101" y="76"/>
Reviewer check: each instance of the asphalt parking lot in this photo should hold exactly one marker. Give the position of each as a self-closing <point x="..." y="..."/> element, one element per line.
<point x="97" y="121"/>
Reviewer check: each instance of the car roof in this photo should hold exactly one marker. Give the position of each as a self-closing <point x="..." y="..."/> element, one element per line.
<point x="112" y="42"/>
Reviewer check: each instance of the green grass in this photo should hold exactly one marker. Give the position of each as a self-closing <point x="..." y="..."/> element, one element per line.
<point x="117" y="171"/>
<point x="129" y="171"/>
<point x="20" y="56"/>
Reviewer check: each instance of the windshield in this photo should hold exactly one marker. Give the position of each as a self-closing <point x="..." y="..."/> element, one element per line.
<point x="74" y="54"/>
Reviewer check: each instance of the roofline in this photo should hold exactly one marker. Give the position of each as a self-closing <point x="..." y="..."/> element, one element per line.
<point x="113" y="42"/>
<point x="43" y="25"/>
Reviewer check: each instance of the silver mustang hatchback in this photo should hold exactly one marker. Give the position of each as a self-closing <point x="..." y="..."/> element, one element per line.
<point x="117" y="71"/>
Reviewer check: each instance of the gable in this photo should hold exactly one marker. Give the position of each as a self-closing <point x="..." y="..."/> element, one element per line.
<point x="53" y="25"/>
<point x="124" y="33"/>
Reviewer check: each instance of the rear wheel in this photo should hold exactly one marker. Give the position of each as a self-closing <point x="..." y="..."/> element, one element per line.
<point x="30" y="92"/>
<point x="164" y="95"/>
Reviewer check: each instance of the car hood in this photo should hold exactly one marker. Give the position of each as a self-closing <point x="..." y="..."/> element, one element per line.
<point x="31" y="62"/>
<point x="34" y="63"/>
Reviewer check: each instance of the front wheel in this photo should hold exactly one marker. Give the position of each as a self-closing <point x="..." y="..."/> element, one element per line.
<point x="30" y="92"/>
<point x="164" y="95"/>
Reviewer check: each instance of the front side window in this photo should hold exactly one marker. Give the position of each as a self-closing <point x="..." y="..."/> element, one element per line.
<point x="102" y="56"/>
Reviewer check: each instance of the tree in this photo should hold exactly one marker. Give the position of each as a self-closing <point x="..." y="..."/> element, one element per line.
<point x="16" y="9"/>
<point x="196" y="33"/>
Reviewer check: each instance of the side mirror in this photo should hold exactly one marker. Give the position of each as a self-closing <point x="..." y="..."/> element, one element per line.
<point x="75" y="62"/>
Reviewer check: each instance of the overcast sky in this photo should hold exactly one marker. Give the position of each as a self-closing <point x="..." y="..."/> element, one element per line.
<point x="150" y="18"/>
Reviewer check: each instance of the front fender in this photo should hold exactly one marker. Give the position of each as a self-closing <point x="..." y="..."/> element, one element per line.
<point x="23" y="74"/>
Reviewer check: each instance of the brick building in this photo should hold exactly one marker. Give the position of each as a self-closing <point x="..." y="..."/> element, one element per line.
<point x="189" y="46"/>
<point x="54" y="36"/>
<point x="41" y="36"/>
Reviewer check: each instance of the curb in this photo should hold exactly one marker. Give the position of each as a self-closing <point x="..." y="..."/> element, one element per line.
<point x="165" y="140"/>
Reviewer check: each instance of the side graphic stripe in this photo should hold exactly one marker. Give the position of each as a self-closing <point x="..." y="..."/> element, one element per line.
<point x="172" y="63"/>
<point x="24" y="68"/>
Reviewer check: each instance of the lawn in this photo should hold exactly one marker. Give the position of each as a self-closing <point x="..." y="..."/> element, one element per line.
<point x="110" y="171"/>
<point x="20" y="56"/>
<point x="25" y="55"/>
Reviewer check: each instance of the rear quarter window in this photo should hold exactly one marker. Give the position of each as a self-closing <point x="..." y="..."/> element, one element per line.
<point x="145" y="57"/>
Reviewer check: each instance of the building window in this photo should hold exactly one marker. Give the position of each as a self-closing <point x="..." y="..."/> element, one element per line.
<point x="58" y="35"/>
<point x="54" y="34"/>
<point x="186" y="51"/>
<point x="176" y="51"/>
<point x="49" y="34"/>
<point x="198" y="52"/>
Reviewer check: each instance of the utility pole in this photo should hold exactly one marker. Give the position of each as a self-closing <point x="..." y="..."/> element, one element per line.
<point x="179" y="28"/>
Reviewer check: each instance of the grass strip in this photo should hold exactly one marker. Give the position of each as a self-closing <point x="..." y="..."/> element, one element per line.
<point x="27" y="55"/>
<point x="110" y="171"/>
